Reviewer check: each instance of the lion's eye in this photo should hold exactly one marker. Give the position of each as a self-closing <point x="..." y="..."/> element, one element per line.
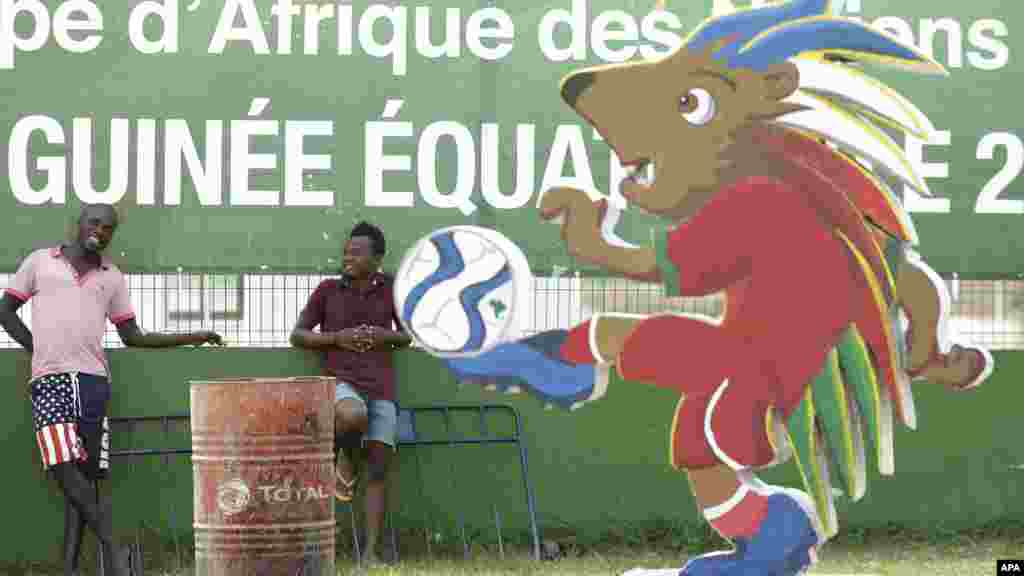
<point x="697" y="106"/>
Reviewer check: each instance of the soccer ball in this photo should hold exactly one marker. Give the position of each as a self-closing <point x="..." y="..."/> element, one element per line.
<point x="463" y="290"/>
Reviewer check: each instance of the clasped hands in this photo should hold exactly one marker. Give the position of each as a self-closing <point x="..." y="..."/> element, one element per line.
<point x="362" y="338"/>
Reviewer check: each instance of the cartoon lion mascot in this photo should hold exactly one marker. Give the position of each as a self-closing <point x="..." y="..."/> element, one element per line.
<point x="775" y="159"/>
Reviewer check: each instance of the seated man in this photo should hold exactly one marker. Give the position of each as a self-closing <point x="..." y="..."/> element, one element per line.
<point x="359" y="329"/>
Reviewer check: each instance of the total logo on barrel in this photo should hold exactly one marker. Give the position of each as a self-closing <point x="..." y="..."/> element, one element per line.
<point x="235" y="496"/>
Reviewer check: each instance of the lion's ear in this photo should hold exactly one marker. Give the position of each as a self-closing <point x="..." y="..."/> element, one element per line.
<point x="781" y="80"/>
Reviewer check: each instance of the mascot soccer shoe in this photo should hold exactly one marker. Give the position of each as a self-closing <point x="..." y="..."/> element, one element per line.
<point x="533" y="363"/>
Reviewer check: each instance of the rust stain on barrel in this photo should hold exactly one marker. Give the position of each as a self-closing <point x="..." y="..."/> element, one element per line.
<point x="263" y="472"/>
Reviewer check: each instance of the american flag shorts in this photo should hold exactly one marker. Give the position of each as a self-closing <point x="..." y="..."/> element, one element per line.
<point x="69" y="417"/>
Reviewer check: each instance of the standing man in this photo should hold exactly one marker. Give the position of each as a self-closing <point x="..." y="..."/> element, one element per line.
<point x="359" y="330"/>
<point x="74" y="290"/>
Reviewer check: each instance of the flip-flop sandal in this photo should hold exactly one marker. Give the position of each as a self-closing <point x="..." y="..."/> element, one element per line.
<point x="344" y="490"/>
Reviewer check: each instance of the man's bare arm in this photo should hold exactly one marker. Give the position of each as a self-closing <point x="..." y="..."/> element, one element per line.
<point x="134" y="337"/>
<point x="12" y="324"/>
<point x="303" y="335"/>
<point x="311" y="339"/>
<point x="393" y="338"/>
<point x="377" y="338"/>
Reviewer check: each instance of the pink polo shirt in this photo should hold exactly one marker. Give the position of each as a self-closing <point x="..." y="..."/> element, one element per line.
<point x="69" y="312"/>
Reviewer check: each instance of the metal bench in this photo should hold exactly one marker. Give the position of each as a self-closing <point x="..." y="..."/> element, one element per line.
<point x="119" y="427"/>
<point x="410" y="436"/>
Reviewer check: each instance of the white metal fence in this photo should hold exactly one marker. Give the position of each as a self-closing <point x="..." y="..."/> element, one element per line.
<point x="259" y="310"/>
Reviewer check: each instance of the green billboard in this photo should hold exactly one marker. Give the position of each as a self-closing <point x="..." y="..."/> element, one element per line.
<point x="251" y="135"/>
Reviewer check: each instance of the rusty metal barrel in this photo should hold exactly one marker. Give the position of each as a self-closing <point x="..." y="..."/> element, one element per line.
<point x="263" y="476"/>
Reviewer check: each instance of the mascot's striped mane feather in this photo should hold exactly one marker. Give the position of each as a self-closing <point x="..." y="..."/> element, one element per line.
<point x="848" y="117"/>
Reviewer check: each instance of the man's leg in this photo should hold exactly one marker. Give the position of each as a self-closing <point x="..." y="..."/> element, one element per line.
<point x="350" y="422"/>
<point x="80" y="493"/>
<point x="67" y="441"/>
<point x="381" y="437"/>
<point x="74" y="526"/>
<point x="94" y="394"/>
<point x="378" y="468"/>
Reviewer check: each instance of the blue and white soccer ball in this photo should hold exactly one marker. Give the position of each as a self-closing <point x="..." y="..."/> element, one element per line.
<point x="463" y="290"/>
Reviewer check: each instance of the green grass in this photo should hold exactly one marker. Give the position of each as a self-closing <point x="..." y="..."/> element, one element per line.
<point x="882" y="551"/>
<point x="892" y="560"/>
<point x="926" y="559"/>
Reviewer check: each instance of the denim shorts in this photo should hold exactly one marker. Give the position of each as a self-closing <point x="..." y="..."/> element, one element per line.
<point x="382" y="415"/>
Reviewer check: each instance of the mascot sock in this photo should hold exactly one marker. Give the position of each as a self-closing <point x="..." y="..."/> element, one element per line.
<point x="771" y="528"/>
<point x="737" y="519"/>
<point x="577" y="347"/>
<point x="740" y="516"/>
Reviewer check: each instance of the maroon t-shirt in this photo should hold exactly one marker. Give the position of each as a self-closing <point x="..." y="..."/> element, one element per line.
<point x="336" y="305"/>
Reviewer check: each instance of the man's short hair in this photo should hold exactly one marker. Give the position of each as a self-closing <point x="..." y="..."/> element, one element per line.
<point x="374" y="233"/>
<point x="112" y="209"/>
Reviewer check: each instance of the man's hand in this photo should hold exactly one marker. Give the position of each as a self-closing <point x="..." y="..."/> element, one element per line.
<point x="370" y="336"/>
<point x="377" y="338"/>
<point x="353" y="339"/>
